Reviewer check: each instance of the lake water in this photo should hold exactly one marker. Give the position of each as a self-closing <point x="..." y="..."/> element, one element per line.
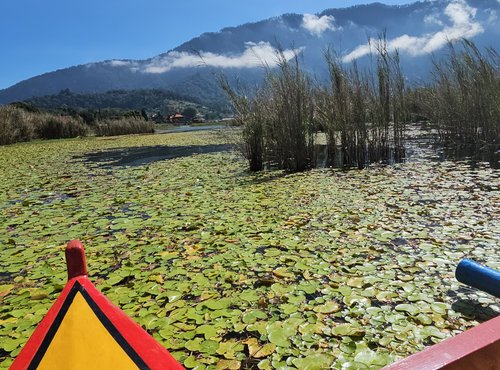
<point x="419" y="144"/>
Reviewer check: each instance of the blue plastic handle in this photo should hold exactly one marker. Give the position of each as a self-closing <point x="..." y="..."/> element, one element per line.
<point x="478" y="276"/>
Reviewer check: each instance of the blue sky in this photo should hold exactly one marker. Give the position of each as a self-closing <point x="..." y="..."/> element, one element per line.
<point x="38" y="36"/>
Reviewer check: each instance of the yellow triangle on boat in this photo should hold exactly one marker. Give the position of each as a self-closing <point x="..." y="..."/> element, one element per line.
<point x="83" y="342"/>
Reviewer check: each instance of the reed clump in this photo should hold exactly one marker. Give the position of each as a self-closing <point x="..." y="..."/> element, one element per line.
<point x="250" y="116"/>
<point x="463" y="101"/>
<point x="362" y="114"/>
<point x="49" y="126"/>
<point x="123" y="126"/>
<point x="289" y="116"/>
<point x="14" y="125"/>
<point x="18" y="124"/>
<point x="278" y="119"/>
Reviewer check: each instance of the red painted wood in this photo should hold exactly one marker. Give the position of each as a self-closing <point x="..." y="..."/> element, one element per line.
<point x="75" y="259"/>
<point x="476" y="348"/>
<point x="29" y="350"/>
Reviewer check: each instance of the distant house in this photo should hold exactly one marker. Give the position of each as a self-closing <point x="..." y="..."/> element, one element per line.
<point x="176" y="118"/>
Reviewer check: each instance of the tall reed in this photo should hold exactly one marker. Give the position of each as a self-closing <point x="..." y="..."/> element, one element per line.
<point x="18" y="124"/>
<point x="49" y="126"/>
<point x="277" y="120"/>
<point x="123" y="126"/>
<point x="289" y="127"/>
<point x="15" y="125"/>
<point x="463" y="102"/>
<point x="250" y="115"/>
<point x="363" y="113"/>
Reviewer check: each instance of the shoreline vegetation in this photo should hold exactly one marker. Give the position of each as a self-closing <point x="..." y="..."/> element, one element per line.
<point x="363" y="113"/>
<point x="20" y="122"/>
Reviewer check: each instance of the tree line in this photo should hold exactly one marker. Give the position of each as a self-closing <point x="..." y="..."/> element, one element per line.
<point x="164" y="102"/>
<point x="148" y="99"/>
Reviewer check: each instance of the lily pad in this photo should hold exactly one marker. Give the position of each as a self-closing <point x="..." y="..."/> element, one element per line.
<point x="283" y="272"/>
<point x="439" y="308"/>
<point x="5" y="289"/>
<point x="411" y="309"/>
<point x="278" y="335"/>
<point x="208" y="331"/>
<point x="356" y="282"/>
<point x="251" y="316"/>
<point x="228" y="365"/>
<point x="217" y="304"/>
<point x="314" y="362"/>
<point x="348" y="329"/>
<point x="249" y="296"/>
<point x="329" y="307"/>
<point x="209" y="347"/>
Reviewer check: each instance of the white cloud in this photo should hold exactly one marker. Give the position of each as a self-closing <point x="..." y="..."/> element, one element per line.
<point x="120" y="63"/>
<point x="255" y="55"/>
<point x="317" y="25"/>
<point x="462" y="24"/>
<point x="492" y="15"/>
<point x="433" y="19"/>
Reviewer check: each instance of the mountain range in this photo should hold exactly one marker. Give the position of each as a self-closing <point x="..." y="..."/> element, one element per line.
<point x="419" y="31"/>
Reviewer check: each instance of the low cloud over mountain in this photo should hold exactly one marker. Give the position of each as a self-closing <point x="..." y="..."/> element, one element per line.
<point x="417" y="31"/>
<point x="317" y="25"/>
<point x="255" y="55"/>
<point x="457" y="20"/>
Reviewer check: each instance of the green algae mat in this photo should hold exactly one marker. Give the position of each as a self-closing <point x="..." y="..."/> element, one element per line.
<point x="228" y="269"/>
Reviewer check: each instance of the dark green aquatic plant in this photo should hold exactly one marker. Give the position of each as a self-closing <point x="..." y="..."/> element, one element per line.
<point x="231" y="269"/>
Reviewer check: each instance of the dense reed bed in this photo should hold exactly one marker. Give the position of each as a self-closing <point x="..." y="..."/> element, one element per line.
<point x="364" y="113"/>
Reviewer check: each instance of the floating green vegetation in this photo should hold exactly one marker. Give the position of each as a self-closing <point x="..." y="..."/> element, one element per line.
<point x="232" y="270"/>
